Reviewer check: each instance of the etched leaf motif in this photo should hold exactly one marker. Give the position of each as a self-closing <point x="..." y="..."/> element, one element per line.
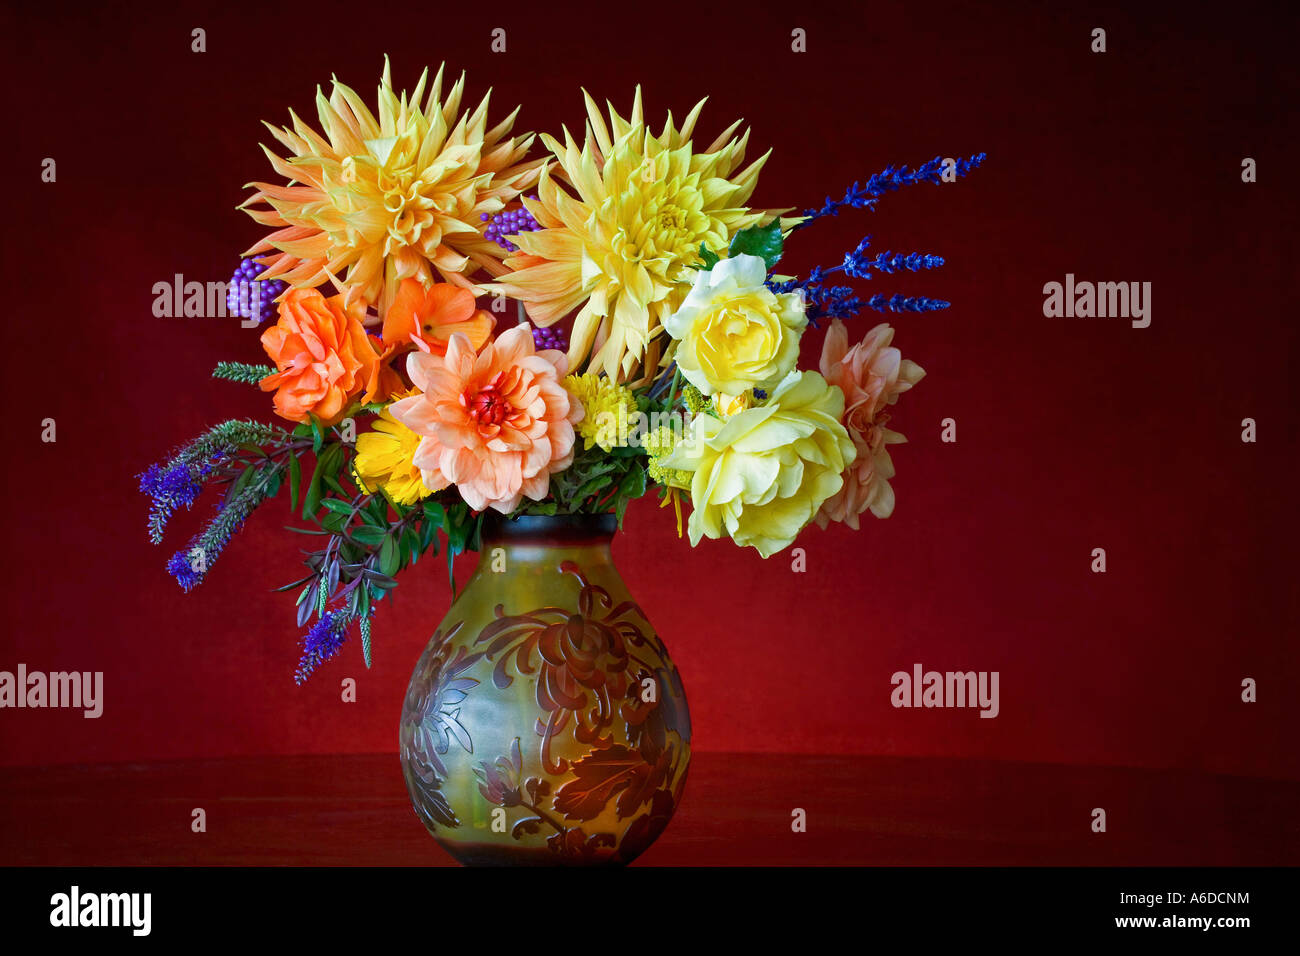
<point x="600" y="775"/>
<point x="642" y="786"/>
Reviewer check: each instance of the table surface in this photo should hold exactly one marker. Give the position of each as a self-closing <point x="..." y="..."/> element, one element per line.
<point x="352" y="809"/>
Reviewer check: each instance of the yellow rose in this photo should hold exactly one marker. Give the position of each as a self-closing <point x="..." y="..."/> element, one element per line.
<point x="733" y="333"/>
<point x="725" y="404"/>
<point x="761" y="475"/>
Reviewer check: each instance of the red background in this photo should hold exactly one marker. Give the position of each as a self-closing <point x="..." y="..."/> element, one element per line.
<point x="1072" y="433"/>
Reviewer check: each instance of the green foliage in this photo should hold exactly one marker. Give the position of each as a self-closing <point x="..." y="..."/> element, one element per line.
<point x="242" y="372"/>
<point x="762" y="241"/>
<point x="324" y="477"/>
<point x="710" y="258"/>
<point x="370" y="540"/>
<point x="227" y="437"/>
<point x="596" y="483"/>
<point x="295" y="481"/>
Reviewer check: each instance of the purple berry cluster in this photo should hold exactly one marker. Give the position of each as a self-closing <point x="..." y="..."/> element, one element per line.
<point x="510" y="222"/>
<point x="249" y="298"/>
<point x="552" y="338"/>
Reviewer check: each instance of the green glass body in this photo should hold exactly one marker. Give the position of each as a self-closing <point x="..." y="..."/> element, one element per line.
<point x="545" y="722"/>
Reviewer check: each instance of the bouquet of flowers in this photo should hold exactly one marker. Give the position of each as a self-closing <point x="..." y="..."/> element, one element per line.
<point x="413" y="397"/>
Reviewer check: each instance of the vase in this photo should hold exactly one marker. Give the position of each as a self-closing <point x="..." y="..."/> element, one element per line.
<point x="544" y="722"/>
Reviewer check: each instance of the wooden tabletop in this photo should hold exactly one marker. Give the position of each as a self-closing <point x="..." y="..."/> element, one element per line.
<point x="352" y="809"/>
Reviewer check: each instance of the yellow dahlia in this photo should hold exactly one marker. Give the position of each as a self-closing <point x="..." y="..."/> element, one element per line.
<point x="382" y="200"/>
<point x="385" y="459"/>
<point x="622" y="220"/>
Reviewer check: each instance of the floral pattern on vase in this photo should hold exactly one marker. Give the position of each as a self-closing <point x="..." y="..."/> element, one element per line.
<point x="545" y="722"/>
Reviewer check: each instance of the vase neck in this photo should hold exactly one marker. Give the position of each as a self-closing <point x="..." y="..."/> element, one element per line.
<point x="553" y="530"/>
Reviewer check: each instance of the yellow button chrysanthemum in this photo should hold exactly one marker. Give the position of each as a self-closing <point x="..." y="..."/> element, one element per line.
<point x="609" y="410"/>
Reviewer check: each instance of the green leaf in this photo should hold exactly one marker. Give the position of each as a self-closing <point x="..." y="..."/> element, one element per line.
<point x="762" y="241"/>
<point x="317" y="435"/>
<point x="375" y="512"/>
<point x="369" y="536"/>
<point x="334" y="522"/>
<point x="338" y="507"/>
<point x="241" y="482"/>
<point x="428" y="533"/>
<point x="457" y="528"/>
<point x="389" y="559"/>
<point x="710" y="258"/>
<point x="295" y="481"/>
<point x="435" y="514"/>
<point x="311" y="500"/>
<point x="333" y="483"/>
<point x="324" y="462"/>
<point x="632" y="486"/>
<point x="590" y="487"/>
<point x="411" y="542"/>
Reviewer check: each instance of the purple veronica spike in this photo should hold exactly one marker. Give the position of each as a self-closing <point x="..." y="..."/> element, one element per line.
<point x="322" y="642"/>
<point x="170" y="489"/>
<point x="181" y="567"/>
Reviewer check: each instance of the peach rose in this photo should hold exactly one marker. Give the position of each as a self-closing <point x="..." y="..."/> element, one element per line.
<point x="324" y="358"/>
<point x="871" y="375"/>
<point x="496" y="424"/>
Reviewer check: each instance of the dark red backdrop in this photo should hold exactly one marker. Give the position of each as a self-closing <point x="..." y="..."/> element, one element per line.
<point x="1072" y="434"/>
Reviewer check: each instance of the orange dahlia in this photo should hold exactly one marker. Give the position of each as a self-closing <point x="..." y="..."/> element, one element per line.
<point x="496" y="423"/>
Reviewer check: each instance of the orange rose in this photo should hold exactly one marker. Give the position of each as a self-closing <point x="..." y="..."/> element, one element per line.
<point x="324" y="358"/>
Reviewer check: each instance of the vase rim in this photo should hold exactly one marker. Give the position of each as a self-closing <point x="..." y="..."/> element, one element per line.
<point x="569" y="527"/>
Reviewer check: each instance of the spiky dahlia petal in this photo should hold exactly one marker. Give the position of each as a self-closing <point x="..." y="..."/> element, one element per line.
<point x="381" y="197"/>
<point x="621" y="220"/>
